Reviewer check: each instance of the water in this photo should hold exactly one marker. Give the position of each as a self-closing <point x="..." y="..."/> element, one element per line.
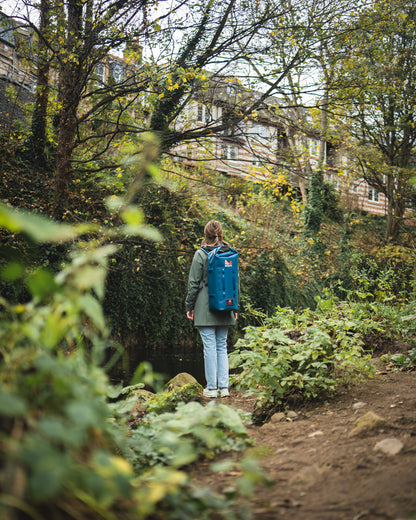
<point x="167" y="361"/>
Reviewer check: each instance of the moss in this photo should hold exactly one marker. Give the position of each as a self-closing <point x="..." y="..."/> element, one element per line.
<point x="168" y="401"/>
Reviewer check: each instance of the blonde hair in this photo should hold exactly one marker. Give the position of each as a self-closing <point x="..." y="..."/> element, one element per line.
<point x="213" y="234"/>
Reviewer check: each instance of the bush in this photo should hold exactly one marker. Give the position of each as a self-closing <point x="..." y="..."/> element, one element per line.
<point x="301" y="356"/>
<point x="65" y="453"/>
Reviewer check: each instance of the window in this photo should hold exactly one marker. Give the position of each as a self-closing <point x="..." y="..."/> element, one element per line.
<point x="409" y="204"/>
<point x="259" y="131"/>
<point x="333" y="179"/>
<point x="99" y="72"/>
<point x="229" y="152"/>
<point x="204" y="115"/>
<point x="373" y="194"/>
<point x="230" y="89"/>
<point x="116" y="71"/>
<point x="313" y="147"/>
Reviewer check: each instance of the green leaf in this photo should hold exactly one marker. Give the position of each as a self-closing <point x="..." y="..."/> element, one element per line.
<point x="59" y="431"/>
<point x="39" y="228"/>
<point x="48" y="467"/>
<point x="11" y="405"/>
<point x="222" y="466"/>
<point x="93" y="310"/>
<point x="42" y="283"/>
<point x="12" y="271"/>
<point x="132" y="215"/>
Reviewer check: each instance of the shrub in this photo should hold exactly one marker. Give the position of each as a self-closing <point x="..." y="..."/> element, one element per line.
<point x="303" y="356"/>
<point x="65" y="454"/>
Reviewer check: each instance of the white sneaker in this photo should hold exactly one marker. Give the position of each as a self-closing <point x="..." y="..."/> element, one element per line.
<point x="224" y="392"/>
<point x="210" y="393"/>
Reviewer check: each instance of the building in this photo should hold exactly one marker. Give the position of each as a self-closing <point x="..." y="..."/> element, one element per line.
<point x="265" y="143"/>
<point x="17" y="80"/>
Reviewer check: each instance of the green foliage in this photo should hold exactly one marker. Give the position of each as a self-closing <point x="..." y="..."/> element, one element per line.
<point x="314" y="212"/>
<point x="331" y="203"/>
<point x="192" y="432"/>
<point x="264" y="280"/>
<point x="64" y="452"/>
<point x="388" y="273"/>
<point x="402" y="362"/>
<point x="302" y="355"/>
<point x="168" y="401"/>
<point x="147" y="282"/>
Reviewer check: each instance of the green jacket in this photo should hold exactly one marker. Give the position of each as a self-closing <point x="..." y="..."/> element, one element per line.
<point x="197" y="297"/>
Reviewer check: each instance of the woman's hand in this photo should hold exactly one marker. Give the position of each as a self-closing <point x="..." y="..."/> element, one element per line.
<point x="190" y="315"/>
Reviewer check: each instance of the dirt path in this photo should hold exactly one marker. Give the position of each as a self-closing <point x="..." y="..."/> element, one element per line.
<point x="324" y="470"/>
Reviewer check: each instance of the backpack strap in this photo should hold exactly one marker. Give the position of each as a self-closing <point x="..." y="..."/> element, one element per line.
<point x="202" y="284"/>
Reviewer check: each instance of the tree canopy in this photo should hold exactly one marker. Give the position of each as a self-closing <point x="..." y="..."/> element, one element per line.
<point x="377" y="79"/>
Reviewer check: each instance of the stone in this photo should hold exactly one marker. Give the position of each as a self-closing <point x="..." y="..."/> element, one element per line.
<point x="292" y="415"/>
<point x="357" y="406"/>
<point x="135" y="402"/>
<point x="368" y="422"/>
<point x="389" y="447"/>
<point x="317" y="433"/>
<point x="179" y="381"/>
<point x="168" y="400"/>
<point x="277" y="417"/>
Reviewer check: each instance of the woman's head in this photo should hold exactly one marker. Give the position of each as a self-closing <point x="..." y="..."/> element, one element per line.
<point x="213" y="233"/>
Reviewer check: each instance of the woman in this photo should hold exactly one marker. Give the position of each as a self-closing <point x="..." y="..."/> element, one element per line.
<point x="213" y="325"/>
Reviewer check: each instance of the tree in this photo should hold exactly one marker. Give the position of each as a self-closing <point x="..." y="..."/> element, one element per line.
<point x="181" y="47"/>
<point x="306" y="29"/>
<point x="73" y="38"/>
<point x="378" y="78"/>
<point x="89" y="32"/>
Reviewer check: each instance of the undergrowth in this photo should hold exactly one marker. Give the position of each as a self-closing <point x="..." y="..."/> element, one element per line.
<point x="307" y="355"/>
<point x="65" y="451"/>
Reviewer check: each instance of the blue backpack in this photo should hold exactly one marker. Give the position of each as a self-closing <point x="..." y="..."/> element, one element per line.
<point x="223" y="279"/>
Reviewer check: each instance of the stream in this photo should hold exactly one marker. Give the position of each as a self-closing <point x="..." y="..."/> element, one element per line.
<point x="166" y="361"/>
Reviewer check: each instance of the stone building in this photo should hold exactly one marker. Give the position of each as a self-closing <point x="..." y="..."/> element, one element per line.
<point x="17" y="80"/>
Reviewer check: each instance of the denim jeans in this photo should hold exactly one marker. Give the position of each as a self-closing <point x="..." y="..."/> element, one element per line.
<point x="215" y="356"/>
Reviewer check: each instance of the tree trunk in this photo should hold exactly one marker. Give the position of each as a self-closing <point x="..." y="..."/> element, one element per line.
<point x="70" y="89"/>
<point x="66" y="137"/>
<point x="396" y="206"/>
<point x="324" y="129"/>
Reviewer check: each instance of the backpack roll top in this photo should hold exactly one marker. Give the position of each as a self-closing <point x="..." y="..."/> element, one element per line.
<point x="223" y="279"/>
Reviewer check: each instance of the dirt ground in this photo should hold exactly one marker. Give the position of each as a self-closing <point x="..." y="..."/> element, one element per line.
<point x="322" y="468"/>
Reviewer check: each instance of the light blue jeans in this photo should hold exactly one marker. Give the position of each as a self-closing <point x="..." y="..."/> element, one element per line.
<point x="214" y="340"/>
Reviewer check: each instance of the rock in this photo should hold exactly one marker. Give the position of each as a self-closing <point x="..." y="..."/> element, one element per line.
<point x="138" y="407"/>
<point x="134" y="402"/>
<point x="168" y="401"/>
<point x="142" y="394"/>
<point x="316" y="434"/>
<point x="267" y="427"/>
<point x="179" y="381"/>
<point x="389" y="446"/>
<point x="292" y="415"/>
<point x="277" y="417"/>
<point x="357" y="406"/>
<point x="368" y="422"/>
